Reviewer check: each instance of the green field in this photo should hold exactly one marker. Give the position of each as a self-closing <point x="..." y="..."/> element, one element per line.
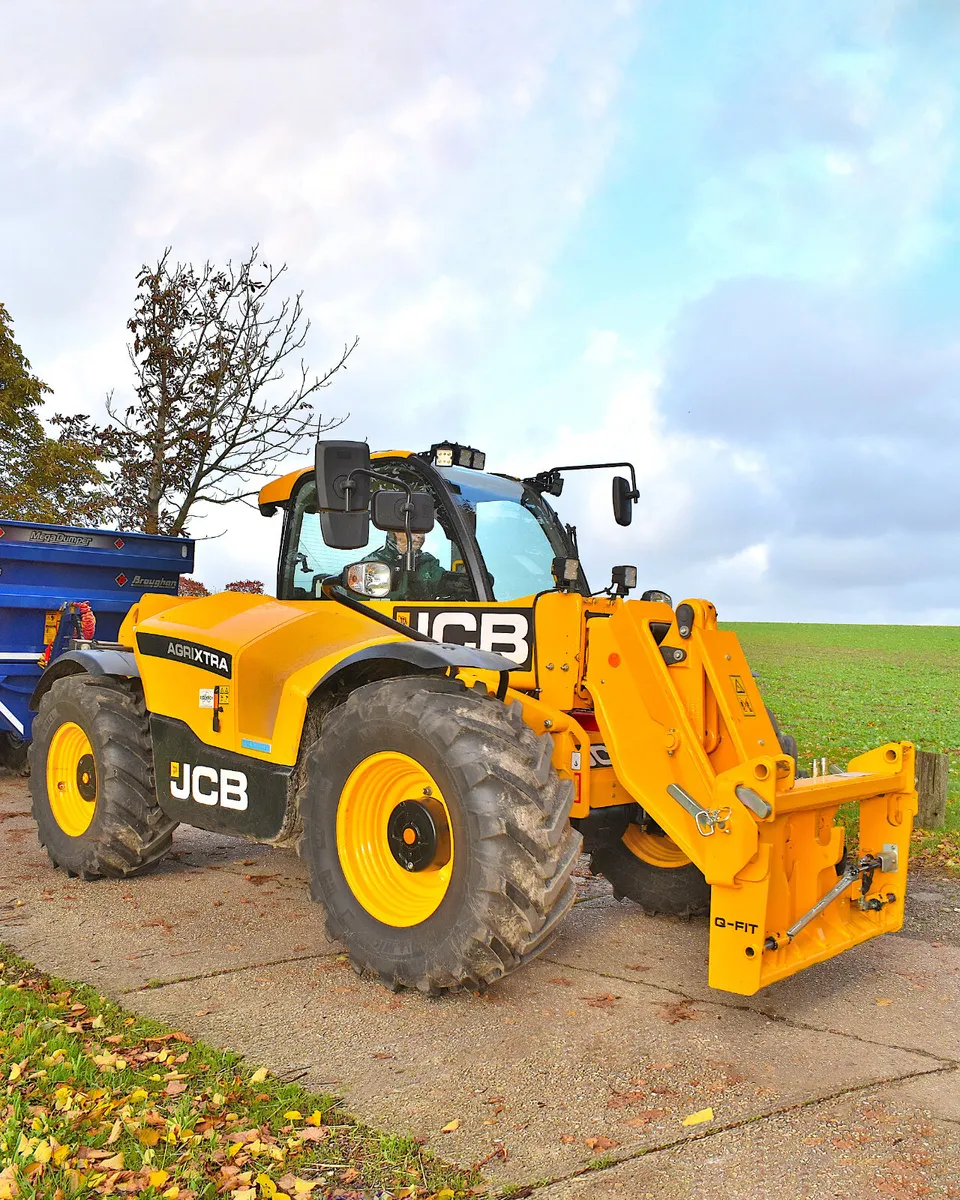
<point x="842" y="689"/>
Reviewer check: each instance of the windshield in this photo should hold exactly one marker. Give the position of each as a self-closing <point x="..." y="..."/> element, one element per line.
<point x="517" y="532"/>
<point x="439" y="571"/>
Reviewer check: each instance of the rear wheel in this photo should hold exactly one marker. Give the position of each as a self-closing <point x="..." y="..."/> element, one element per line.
<point x="649" y="868"/>
<point x="437" y="834"/>
<point x="91" y="779"/>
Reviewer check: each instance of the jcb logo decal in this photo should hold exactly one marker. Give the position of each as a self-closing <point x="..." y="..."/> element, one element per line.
<point x="498" y="630"/>
<point x="208" y="786"/>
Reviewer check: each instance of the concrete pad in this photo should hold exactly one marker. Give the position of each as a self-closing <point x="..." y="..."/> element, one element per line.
<point x="215" y="904"/>
<point x="849" y="994"/>
<point x="535" y="1069"/>
<point x="613" y="1037"/>
<point x="874" y="1144"/>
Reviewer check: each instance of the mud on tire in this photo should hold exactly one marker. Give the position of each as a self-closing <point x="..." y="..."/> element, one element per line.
<point x="514" y="848"/>
<point x="128" y="831"/>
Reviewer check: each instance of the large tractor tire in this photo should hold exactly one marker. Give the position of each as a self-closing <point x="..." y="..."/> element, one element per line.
<point x="651" y="869"/>
<point x="437" y="834"/>
<point x="91" y="779"/>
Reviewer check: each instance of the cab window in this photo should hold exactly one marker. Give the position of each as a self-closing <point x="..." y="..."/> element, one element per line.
<point x="439" y="572"/>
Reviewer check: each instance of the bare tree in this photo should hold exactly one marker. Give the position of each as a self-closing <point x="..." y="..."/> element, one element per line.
<point x="212" y="413"/>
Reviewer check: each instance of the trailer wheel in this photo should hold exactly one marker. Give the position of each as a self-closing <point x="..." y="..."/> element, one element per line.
<point x="437" y="834"/>
<point x="13" y="753"/>
<point x="651" y="869"/>
<point x="91" y="779"/>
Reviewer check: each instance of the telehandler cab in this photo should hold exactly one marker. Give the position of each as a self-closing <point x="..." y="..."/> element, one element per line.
<point x="441" y="715"/>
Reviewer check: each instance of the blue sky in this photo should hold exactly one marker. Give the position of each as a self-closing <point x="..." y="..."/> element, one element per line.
<point x="720" y="239"/>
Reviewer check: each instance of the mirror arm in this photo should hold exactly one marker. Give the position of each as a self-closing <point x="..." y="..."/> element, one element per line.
<point x="634" y="495"/>
<point x="407" y="508"/>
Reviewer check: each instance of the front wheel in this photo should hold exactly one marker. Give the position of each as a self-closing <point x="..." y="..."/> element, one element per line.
<point x="651" y="869"/>
<point x="437" y="834"/>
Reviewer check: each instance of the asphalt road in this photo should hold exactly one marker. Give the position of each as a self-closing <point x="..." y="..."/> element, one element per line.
<point x="840" y="1082"/>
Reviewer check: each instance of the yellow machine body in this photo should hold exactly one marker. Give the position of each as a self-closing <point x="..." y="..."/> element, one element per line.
<point x="635" y="707"/>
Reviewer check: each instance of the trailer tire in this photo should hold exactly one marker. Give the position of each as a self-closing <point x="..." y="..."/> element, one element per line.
<point x="459" y="779"/>
<point x="663" y="881"/>
<point x="92" y="781"/>
<point x="13" y="753"/>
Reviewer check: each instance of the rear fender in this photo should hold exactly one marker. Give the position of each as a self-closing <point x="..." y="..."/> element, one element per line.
<point x="85" y="662"/>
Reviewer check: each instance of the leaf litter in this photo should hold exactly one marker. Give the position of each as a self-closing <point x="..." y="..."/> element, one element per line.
<point x="96" y="1102"/>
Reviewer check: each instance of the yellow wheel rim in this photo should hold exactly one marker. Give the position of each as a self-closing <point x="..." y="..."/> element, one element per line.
<point x="71" y="779"/>
<point x="391" y="811"/>
<point x="656" y="849"/>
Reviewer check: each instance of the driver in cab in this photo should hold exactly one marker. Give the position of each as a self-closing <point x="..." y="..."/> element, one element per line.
<point x="423" y="582"/>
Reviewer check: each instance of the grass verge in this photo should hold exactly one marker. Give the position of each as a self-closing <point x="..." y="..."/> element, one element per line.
<point x="96" y="1101"/>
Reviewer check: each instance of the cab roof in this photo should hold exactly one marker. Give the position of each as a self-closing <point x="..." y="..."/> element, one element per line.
<point x="278" y="491"/>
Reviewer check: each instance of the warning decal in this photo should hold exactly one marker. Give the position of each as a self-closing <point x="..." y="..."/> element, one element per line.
<point x="741" y="693"/>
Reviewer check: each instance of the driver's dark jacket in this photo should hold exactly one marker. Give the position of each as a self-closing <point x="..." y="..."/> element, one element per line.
<point x="423" y="583"/>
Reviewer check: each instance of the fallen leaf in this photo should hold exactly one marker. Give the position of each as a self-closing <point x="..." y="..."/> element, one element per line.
<point x="604" y="1001"/>
<point x="175" y="1087"/>
<point x="624" y="1099"/>
<point x="637" y="967"/>
<point x="148" y="1137"/>
<point x="315" y="1118"/>
<point x="158" y="1178"/>
<point x="113" y="1164"/>
<point x="259" y="1076"/>
<point x="678" y="1011"/>
<point x="600" y="1143"/>
<point x="698" y="1118"/>
<point x="561" y="982"/>
<point x="643" y="1119"/>
<point x="883" y="1003"/>
<point x="451" y="1125"/>
<point x="567" y="1138"/>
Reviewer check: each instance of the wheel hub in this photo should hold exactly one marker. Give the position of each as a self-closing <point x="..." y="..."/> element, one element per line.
<point x="412" y="835"/>
<point x="87" y="777"/>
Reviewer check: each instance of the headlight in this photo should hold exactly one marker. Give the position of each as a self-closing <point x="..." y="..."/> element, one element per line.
<point x="368" y="579"/>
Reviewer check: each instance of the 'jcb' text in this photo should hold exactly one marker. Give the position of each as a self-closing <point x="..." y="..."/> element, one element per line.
<point x="208" y="786"/>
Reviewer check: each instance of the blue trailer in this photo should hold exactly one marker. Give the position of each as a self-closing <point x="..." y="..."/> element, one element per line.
<point x="48" y="573"/>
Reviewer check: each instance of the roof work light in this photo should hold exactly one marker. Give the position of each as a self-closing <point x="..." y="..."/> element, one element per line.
<point x="452" y="454"/>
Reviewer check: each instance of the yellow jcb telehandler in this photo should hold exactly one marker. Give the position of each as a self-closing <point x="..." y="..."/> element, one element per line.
<point x="441" y="715"/>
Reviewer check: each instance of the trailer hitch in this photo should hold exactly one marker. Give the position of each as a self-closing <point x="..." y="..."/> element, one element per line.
<point x="863" y="869"/>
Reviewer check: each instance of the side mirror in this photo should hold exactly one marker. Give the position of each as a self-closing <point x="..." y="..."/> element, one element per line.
<point x="623" y="500"/>
<point x="343" y="496"/>
<point x="389" y="512"/>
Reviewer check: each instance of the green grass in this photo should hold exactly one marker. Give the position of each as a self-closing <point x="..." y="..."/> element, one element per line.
<point x="96" y="1101"/>
<point x="843" y="689"/>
